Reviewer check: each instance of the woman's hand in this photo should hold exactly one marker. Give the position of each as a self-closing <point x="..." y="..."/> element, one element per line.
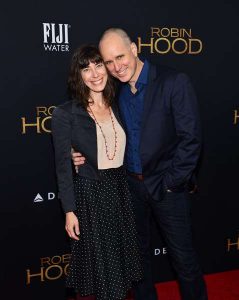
<point x="72" y="226"/>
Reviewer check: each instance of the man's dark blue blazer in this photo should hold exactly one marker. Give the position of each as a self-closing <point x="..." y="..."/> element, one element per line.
<point x="170" y="134"/>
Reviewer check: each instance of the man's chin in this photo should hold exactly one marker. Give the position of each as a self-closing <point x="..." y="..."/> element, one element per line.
<point x="123" y="78"/>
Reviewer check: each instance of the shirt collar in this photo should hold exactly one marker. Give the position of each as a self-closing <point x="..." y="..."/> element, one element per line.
<point x="143" y="76"/>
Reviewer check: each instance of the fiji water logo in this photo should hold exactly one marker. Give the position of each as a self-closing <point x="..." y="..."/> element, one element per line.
<point x="56" y="37"/>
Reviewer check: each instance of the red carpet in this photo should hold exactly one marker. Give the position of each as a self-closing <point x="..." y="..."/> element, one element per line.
<point x="221" y="286"/>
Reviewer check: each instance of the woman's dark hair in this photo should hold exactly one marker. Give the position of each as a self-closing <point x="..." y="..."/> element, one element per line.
<point x="76" y="86"/>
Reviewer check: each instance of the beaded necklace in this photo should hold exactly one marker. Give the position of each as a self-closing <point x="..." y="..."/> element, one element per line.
<point x="104" y="137"/>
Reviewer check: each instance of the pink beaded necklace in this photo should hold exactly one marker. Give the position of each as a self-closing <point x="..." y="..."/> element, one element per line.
<point x="104" y="137"/>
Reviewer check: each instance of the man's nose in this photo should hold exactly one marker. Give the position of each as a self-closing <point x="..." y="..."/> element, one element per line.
<point x="117" y="66"/>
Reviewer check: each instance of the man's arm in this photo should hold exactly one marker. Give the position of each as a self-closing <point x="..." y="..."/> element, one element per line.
<point x="187" y="125"/>
<point x="77" y="158"/>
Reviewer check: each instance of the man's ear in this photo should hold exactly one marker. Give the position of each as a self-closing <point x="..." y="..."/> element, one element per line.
<point x="134" y="49"/>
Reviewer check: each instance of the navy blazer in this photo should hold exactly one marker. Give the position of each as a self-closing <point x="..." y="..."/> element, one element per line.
<point x="72" y="127"/>
<point x="170" y="134"/>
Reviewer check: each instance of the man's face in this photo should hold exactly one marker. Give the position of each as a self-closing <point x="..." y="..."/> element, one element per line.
<point x="119" y="57"/>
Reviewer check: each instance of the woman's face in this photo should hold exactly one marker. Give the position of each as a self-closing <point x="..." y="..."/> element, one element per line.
<point x="95" y="76"/>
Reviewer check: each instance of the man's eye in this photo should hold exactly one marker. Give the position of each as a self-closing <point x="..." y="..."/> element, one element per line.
<point x="108" y="63"/>
<point x="119" y="57"/>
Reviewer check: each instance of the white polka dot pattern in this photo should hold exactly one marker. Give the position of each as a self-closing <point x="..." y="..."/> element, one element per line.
<point x="105" y="261"/>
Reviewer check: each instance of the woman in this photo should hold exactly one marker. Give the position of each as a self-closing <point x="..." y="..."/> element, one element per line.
<point x="99" y="218"/>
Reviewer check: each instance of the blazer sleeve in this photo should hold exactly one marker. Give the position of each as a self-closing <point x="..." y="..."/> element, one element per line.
<point x="187" y="124"/>
<point x="61" y="132"/>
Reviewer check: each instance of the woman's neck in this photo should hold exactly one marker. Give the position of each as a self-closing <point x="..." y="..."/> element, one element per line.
<point x="98" y="101"/>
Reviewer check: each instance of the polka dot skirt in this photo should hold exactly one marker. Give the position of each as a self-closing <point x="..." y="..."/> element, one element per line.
<point x="105" y="261"/>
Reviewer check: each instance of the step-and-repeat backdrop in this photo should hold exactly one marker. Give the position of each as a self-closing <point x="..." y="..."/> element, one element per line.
<point x="37" y="41"/>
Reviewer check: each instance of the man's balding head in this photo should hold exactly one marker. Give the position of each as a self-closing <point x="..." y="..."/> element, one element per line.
<point x="111" y="32"/>
<point x="120" y="55"/>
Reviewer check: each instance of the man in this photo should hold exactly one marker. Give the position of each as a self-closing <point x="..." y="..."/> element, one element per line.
<point x="160" y="115"/>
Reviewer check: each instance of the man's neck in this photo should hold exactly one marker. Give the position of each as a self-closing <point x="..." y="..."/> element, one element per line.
<point x="134" y="79"/>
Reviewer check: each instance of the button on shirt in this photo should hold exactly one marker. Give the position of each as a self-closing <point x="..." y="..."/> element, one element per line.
<point x="131" y="107"/>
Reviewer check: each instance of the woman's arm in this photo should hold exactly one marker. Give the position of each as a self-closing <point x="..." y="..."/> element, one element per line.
<point x="61" y="132"/>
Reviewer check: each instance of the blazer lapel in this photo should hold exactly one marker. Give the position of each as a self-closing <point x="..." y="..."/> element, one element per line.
<point x="148" y="98"/>
<point x="83" y="117"/>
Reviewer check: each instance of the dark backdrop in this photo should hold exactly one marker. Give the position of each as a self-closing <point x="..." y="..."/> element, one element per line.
<point x="198" y="38"/>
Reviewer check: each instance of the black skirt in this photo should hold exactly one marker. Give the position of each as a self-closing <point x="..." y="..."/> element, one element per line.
<point x="105" y="261"/>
